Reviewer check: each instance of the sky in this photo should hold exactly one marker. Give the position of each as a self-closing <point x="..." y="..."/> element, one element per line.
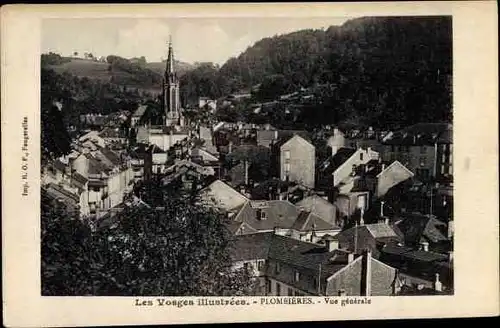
<point x="194" y="39"/>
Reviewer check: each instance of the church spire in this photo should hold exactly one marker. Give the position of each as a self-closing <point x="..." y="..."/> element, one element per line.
<point x="170" y="59"/>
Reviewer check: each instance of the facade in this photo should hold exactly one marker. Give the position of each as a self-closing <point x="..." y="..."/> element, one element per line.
<point x="296" y="160"/>
<point x="425" y="148"/>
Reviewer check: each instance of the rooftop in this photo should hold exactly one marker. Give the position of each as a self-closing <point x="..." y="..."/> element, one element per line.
<point x="421" y="134"/>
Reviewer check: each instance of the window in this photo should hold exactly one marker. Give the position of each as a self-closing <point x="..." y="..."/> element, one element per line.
<point x="287" y="167"/>
<point x="423" y="161"/>
<point x="287" y="154"/>
<point x="393" y="149"/>
<point x="278" y="268"/>
<point x="422" y="150"/>
<point x="315" y="283"/>
<point x="278" y="289"/>
<point x="290" y="292"/>
<point x="297" y="276"/>
<point x="260" y="265"/>
<point x="269" y="287"/>
<point x="442" y="169"/>
<point x="360" y="156"/>
<point x="246" y="266"/>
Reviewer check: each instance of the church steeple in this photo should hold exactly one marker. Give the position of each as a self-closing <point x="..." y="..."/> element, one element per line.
<point x="170" y="60"/>
<point x="171" y="100"/>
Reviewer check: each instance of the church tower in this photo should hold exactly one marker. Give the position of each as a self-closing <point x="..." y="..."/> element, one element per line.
<point x="171" y="99"/>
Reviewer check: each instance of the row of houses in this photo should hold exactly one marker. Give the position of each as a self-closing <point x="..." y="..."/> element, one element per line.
<point x="92" y="179"/>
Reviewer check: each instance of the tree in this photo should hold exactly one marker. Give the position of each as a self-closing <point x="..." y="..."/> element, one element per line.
<point x="75" y="53"/>
<point x="179" y="249"/>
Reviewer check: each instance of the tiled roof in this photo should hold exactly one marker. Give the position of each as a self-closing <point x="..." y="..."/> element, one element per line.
<point x="278" y="213"/>
<point x="288" y="250"/>
<point x="320" y="207"/>
<point x="307" y="221"/>
<point x="113" y="157"/>
<point x="80" y="178"/>
<point x="222" y="196"/>
<point x="251" y="247"/>
<point x="59" y="192"/>
<point x="408" y="252"/>
<point x="306" y="255"/>
<point x="95" y="166"/>
<point x="421" y="134"/>
<point x="417" y="227"/>
<point x="286" y="135"/>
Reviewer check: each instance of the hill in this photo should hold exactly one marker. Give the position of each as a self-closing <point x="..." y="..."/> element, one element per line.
<point x="381" y="70"/>
<point x="144" y="78"/>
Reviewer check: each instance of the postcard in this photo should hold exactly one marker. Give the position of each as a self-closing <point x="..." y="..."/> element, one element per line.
<point x="219" y="163"/>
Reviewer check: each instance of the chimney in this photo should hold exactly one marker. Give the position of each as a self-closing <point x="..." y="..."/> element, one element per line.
<point x="425" y="246"/>
<point x="382" y="209"/>
<point x="438" y="286"/>
<point x="342" y="292"/>
<point x="386" y="221"/>
<point x="350" y="257"/>
<point x="368" y="273"/>
<point x="275" y="134"/>
<point x="382" y="167"/>
<point x="361" y="219"/>
<point x="450" y="256"/>
<point x="331" y="244"/>
<point x="230" y="147"/>
<point x="271" y="194"/>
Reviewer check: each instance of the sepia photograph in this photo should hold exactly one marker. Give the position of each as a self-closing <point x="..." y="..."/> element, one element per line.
<point x="298" y="164"/>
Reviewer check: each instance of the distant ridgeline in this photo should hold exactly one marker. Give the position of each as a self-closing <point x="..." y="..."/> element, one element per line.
<point x="395" y="70"/>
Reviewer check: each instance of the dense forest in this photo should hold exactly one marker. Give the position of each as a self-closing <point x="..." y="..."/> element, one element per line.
<point x="379" y="71"/>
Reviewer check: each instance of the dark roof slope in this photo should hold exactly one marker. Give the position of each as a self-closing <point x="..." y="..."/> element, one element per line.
<point x="342" y="155"/>
<point x="417" y="227"/>
<point x="421" y="134"/>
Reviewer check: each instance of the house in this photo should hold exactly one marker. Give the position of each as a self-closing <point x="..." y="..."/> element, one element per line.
<point x="343" y="165"/>
<point x="94" y="137"/>
<point x="137" y="115"/>
<point x="188" y="173"/>
<point x="222" y="196"/>
<point x="158" y="159"/>
<point x="424" y="231"/>
<point x="269" y="135"/>
<point x="284" y="218"/>
<point x="384" y="177"/>
<point x="419" y="266"/>
<point x="293" y="159"/>
<point x="286" y="266"/>
<point x="321" y="207"/>
<point x="110" y="177"/>
<point x="207" y="103"/>
<point x="275" y="188"/>
<point x="163" y="137"/>
<point x="113" y="137"/>
<point x="74" y="199"/>
<point x="424" y="148"/>
<point x="365" y="237"/>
